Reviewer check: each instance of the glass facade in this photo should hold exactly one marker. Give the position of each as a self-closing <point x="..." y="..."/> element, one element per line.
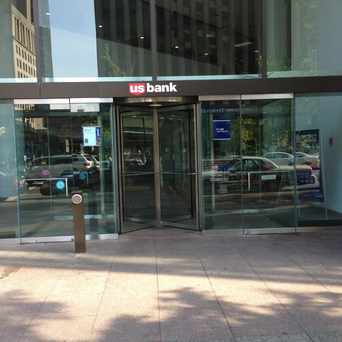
<point x="247" y="180"/>
<point x="217" y="38"/>
<point x="266" y="162"/>
<point x="302" y="37"/>
<point x="276" y="165"/>
<point x="18" y="54"/>
<point x="198" y="152"/>
<point x="318" y="139"/>
<point x="63" y="148"/>
<point x="113" y="40"/>
<point x="9" y="182"/>
<point x="120" y="40"/>
<point x="107" y="40"/>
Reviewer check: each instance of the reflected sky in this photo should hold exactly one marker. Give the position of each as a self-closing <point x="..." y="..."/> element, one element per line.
<point x="73" y="38"/>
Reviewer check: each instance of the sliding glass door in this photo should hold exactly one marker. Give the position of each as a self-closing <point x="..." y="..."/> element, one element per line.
<point x="221" y="149"/>
<point x="248" y="172"/>
<point x="268" y="169"/>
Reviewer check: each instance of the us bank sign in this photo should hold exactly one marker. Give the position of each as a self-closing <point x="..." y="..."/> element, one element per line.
<point x="142" y="88"/>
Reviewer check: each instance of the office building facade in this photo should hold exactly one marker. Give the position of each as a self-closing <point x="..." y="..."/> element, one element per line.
<point x="198" y="115"/>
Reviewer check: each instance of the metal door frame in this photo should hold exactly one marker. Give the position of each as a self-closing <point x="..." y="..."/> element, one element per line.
<point x="156" y="164"/>
<point x="158" y="223"/>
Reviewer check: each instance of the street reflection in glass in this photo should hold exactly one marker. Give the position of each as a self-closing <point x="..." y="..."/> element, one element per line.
<point x="249" y="176"/>
<point x="61" y="149"/>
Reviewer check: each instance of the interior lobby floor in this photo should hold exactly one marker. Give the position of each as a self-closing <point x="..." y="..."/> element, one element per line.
<point x="175" y="286"/>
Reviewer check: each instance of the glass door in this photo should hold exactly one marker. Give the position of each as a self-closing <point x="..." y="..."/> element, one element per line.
<point x="138" y="196"/>
<point x="268" y="177"/>
<point x="248" y="175"/>
<point x="158" y="173"/>
<point x="221" y="151"/>
<point x="61" y="148"/>
<point x="178" y="171"/>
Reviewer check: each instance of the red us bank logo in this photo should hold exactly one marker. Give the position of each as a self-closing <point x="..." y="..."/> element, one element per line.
<point x="139" y="89"/>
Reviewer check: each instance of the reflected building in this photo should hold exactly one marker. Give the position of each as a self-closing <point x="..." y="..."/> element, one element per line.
<point x="23" y="31"/>
<point x="196" y="37"/>
<point x="123" y="37"/>
<point x="208" y="37"/>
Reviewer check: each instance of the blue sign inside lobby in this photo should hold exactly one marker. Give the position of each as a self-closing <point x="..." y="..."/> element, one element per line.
<point x="221" y="129"/>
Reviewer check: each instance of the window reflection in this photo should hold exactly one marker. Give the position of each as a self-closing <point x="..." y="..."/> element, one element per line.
<point x="123" y="37"/>
<point x="318" y="126"/>
<point x="302" y="37"/>
<point x="17" y="37"/>
<point x="244" y="186"/>
<point x="9" y="183"/>
<point x="208" y="37"/>
<point x="60" y="149"/>
<point x="95" y="39"/>
<point x="111" y="39"/>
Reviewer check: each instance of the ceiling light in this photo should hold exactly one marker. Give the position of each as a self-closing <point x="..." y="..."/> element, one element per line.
<point x="141" y="37"/>
<point x="48" y="13"/>
<point x="176" y="47"/>
<point x="242" y="44"/>
<point x="100" y="26"/>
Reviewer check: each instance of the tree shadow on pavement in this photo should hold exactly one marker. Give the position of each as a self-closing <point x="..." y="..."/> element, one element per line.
<point x="21" y="317"/>
<point x="187" y="315"/>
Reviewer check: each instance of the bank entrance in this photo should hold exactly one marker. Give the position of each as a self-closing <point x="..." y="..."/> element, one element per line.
<point x="158" y="168"/>
<point x="209" y="162"/>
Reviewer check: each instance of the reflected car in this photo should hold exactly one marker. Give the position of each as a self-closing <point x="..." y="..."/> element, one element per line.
<point x="280" y="158"/>
<point x="70" y="181"/>
<point x="54" y="166"/>
<point x="256" y="174"/>
<point x="308" y="159"/>
<point x="138" y="162"/>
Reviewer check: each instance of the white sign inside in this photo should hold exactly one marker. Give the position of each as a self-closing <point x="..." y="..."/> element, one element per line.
<point x="91" y="136"/>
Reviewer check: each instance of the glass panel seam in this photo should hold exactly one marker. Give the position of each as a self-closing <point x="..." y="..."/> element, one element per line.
<point x="16" y="137"/>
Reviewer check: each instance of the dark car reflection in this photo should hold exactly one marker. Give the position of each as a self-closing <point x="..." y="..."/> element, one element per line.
<point x="256" y="175"/>
<point x="62" y="174"/>
<point x="138" y="162"/>
<point x="69" y="181"/>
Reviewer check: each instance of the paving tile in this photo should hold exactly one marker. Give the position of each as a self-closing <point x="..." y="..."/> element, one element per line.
<point x="250" y="307"/>
<point x="127" y="327"/>
<point x="170" y="285"/>
<point x="279" y="338"/>
<point x="334" y="336"/>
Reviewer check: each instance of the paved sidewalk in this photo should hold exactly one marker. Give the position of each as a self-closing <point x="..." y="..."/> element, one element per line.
<point x="175" y="286"/>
